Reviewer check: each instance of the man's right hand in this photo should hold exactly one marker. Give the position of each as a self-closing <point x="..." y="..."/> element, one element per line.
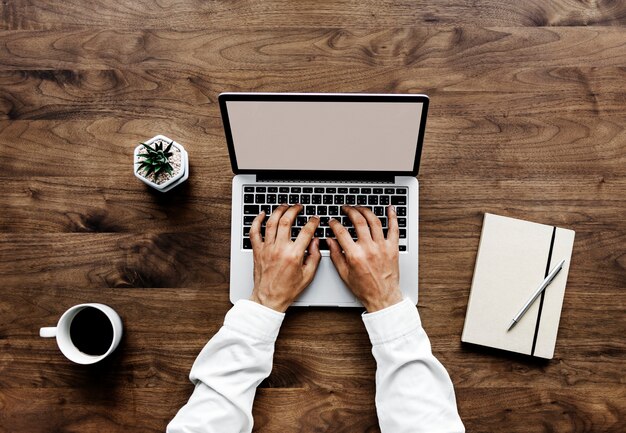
<point x="369" y="266"/>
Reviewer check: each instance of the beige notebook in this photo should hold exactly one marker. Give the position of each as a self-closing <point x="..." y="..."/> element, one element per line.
<point x="514" y="256"/>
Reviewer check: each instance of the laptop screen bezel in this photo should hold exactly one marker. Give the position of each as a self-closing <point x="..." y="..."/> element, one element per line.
<point x="223" y="98"/>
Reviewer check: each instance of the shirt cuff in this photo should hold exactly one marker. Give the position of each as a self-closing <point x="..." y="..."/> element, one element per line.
<point x="254" y="320"/>
<point x="392" y="322"/>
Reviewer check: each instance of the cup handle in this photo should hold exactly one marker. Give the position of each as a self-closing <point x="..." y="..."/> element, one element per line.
<point x="49" y="332"/>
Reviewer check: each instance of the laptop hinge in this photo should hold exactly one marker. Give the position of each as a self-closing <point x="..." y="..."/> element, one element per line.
<point x="326" y="177"/>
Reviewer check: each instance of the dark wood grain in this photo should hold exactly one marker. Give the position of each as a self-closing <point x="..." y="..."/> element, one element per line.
<point x="195" y="14"/>
<point x="75" y="95"/>
<point x="527" y="119"/>
<point x="274" y="51"/>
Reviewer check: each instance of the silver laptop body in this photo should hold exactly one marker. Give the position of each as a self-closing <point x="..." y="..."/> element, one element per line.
<point x="322" y="150"/>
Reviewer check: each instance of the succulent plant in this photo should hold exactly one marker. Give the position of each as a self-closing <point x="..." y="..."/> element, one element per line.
<point x="155" y="160"/>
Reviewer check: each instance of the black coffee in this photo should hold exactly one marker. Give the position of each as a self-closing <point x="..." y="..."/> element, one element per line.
<point x="91" y="331"/>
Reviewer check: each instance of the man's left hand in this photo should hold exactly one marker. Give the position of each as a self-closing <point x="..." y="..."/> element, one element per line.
<point x="281" y="268"/>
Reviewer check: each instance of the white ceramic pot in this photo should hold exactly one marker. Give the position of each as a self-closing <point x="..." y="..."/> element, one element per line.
<point x="170" y="183"/>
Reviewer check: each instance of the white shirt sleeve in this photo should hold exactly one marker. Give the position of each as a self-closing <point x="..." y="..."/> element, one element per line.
<point x="228" y="371"/>
<point x="413" y="390"/>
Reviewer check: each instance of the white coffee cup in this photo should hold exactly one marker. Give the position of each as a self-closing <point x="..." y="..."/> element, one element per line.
<point x="64" y="341"/>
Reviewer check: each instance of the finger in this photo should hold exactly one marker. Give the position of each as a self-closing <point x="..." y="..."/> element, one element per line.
<point x="376" y="228"/>
<point x="392" y="232"/>
<point x="359" y="222"/>
<point x="341" y="233"/>
<point x="337" y="257"/>
<point x="272" y="223"/>
<point x="255" y="231"/>
<point x="286" y="222"/>
<point x="312" y="260"/>
<point x="307" y="233"/>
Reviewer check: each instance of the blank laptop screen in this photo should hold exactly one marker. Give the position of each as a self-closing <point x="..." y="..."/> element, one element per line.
<point x="294" y="135"/>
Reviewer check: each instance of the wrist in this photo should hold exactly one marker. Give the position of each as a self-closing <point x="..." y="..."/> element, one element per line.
<point x="276" y="305"/>
<point x="382" y="302"/>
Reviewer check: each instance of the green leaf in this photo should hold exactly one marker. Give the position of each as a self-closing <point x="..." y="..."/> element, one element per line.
<point x="169" y="147"/>
<point x="148" y="147"/>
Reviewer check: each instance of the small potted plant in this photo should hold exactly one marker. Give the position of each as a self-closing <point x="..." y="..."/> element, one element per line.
<point x="161" y="163"/>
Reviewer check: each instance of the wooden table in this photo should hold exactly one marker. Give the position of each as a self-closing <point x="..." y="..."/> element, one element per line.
<point x="527" y="119"/>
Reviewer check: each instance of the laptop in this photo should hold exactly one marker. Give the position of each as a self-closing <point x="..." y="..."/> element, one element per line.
<point x="323" y="151"/>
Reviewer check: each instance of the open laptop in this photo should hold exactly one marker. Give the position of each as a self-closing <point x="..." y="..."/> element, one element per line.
<point x="323" y="151"/>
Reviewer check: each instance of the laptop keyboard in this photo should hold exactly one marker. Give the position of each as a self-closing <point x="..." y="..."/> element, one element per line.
<point x="325" y="202"/>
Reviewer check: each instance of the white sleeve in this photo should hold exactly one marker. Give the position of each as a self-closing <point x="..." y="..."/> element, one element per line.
<point x="413" y="390"/>
<point x="228" y="371"/>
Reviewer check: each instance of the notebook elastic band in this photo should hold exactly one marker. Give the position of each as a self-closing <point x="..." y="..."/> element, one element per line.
<point x="532" y="352"/>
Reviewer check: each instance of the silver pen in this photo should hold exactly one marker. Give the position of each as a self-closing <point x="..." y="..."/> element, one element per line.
<point x="545" y="283"/>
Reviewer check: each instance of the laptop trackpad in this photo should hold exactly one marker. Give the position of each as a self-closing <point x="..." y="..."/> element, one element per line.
<point x="326" y="288"/>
